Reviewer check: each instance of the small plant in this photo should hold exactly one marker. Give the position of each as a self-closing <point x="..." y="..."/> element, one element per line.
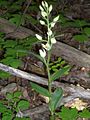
<point x="12" y="52"/>
<point x="72" y="113"/>
<point x="12" y="106"/>
<point x="56" y="96"/>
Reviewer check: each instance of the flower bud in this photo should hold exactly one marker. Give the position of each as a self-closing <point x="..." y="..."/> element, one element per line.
<point x="49" y="32"/>
<point x="47" y="46"/>
<point x="50" y="8"/>
<point x="42" y="53"/>
<point x="46" y="4"/>
<point x="44" y="14"/>
<point x="38" y="37"/>
<point x="52" y="24"/>
<point x="41" y="8"/>
<point x="53" y="40"/>
<point x="56" y="19"/>
<point x="43" y="4"/>
<point x="42" y="22"/>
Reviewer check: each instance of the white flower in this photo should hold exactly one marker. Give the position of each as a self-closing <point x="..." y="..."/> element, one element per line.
<point x="41" y="8"/>
<point x="53" y="40"/>
<point x="49" y="32"/>
<point x="42" y="53"/>
<point x="38" y="37"/>
<point x="44" y="14"/>
<point x="46" y="4"/>
<point x="47" y="46"/>
<point x="50" y="8"/>
<point x="52" y="24"/>
<point x="43" y="4"/>
<point x="56" y="19"/>
<point x="42" y="22"/>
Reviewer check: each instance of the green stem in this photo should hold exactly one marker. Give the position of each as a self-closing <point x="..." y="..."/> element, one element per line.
<point x="48" y="71"/>
<point x="52" y="117"/>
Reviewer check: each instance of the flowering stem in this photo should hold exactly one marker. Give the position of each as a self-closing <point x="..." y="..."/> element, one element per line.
<point x="48" y="71"/>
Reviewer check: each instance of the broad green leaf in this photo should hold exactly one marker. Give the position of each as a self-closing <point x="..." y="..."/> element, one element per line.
<point x="68" y="114"/>
<point x="16" y="19"/>
<point x="7" y="60"/>
<point x="59" y="73"/>
<point x="4" y="74"/>
<point x="87" y="31"/>
<point x="40" y="89"/>
<point x="9" y="96"/>
<point x="10" y="43"/>
<point x="7" y="117"/>
<point x="10" y="52"/>
<point x="12" y="62"/>
<point x="16" y="63"/>
<point x="80" y="23"/>
<point x="55" y="99"/>
<point x="2" y="108"/>
<point x="17" y="94"/>
<point x="80" y="38"/>
<point x="23" y="105"/>
<point x="85" y="114"/>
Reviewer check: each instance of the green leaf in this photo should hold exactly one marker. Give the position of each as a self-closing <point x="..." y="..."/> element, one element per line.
<point x="85" y="114"/>
<point x="11" y="52"/>
<point x="10" y="43"/>
<point x="80" y="23"/>
<point x="9" y="96"/>
<point x="16" y="19"/>
<point x="2" y="108"/>
<point x="4" y="74"/>
<point x="59" y="73"/>
<point x="68" y="114"/>
<point x="16" y="63"/>
<point x="23" y="105"/>
<point x="40" y="89"/>
<point x="55" y="99"/>
<point x="17" y="94"/>
<point x="12" y="62"/>
<point x="32" y="20"/>
<point x="7" y="117"/>
<point x="87" y="31"/>
<point x="80" y="38"/>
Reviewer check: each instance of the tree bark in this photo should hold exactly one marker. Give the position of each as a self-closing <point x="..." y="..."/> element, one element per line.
<point x="71" y="54"/>
<point x="12" y="31"/>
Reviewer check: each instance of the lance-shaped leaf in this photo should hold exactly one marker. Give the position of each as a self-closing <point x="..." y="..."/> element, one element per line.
<point x="59" y="73"/>
<point x="55" y="99"/>
<point x="40" y="89"/>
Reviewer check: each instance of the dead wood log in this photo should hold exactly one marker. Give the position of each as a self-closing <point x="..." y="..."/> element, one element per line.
<point x="70" y="90"/>
<point x="70" y="54"/>
<point x="12" y="31"/>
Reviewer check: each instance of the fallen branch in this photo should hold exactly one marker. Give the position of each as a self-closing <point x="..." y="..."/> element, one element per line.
<point x="12" y="31"/>
<point x="71" y="54"/>
<point x="70" y="90"/>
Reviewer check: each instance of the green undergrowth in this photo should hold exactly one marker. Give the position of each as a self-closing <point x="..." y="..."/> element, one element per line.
<point x="12" y="106"/>
<point x="82" y="25"/>
<point x="13" y="51"/>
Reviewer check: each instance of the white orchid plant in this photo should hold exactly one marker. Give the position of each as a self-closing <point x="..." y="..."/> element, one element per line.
<point x="54" y="97"/>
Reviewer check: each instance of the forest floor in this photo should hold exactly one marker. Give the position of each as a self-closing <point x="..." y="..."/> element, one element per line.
<point x="79" y="76"/>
